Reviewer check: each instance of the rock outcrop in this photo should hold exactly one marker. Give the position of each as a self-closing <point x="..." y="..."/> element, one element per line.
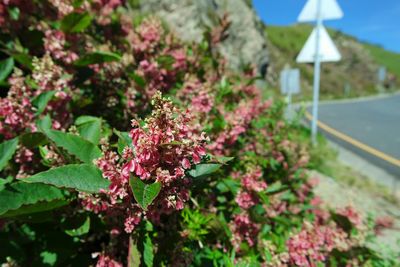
<point x="245" y="42"/>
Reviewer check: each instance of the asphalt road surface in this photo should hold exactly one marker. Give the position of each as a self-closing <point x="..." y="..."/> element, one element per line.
<point x="374" y="122"/>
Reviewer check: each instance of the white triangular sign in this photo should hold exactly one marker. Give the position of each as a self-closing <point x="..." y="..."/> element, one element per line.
<point x="327" y="49"/>
<point x="329" y="10"/>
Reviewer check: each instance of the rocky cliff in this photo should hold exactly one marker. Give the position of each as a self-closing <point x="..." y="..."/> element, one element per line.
<point x="244" y="43"/>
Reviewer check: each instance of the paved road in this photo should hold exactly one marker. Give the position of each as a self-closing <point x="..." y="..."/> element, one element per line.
<point x="374" y="122"/>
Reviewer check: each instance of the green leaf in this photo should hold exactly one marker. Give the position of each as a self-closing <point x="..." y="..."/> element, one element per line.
<point x="144" y="193"/>
<point x="41" y="101"/>
<point x="14" y="13"/>
<point x="81" y="177"/>
<point x="139" y="80"/>
<point x="89" y="128"/>
<point x="96" y="58"/>
<point x="166" y="61"/>
<point x="77" y="3"/>
<point x="4" y="182"/>
<point x="222" y="159"/>
<point x="7" y="150"/>
<point x="6" y="67"/>
<point x="134" y="256"/>
<point x="19" y="194"/>
<point x="36" y="208"/>
<point x="76" y="22"/>
<point x="148" y="255"/>
<point x="205" y="169"/>
<point x="23" y="59"/>
<point x="75" y="145"/>
<point x="49" y="258"/>
<point x="81" y="230"/>
<point x="44" y="124"/>
<point x="123" y="140"/>
<point x="342" y="221"/>
<point x="32" y="140"/>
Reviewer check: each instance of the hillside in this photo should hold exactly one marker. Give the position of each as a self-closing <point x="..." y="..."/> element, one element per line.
<point x="355" y="75"/>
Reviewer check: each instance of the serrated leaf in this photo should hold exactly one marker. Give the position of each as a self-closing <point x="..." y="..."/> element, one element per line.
<point x="89" y="128"/>
<point x="41" y="101"/>
<point x="75" y="145"/>
<point x="144" y="193"/>
<point x="19" y="194"/>
<point x="96" y="58"/>
<point x="7" y="150"/>
<point x="134" y="256"/>
<point x="6" y="67"/>
<point x="81" y="177"/>
<point x="148" y="254"/>
<point x="32" y="140"/>
<point x="76" y="22"/>
<point x="204" y="169"/>
<point x="81" y="230"/>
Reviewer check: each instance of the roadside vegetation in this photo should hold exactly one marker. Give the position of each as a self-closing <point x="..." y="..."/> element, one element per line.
<point x="123" y="146"/>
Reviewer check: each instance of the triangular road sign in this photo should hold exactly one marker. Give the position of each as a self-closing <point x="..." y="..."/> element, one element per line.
<point x="327" y="49"/>
<point x="329" y="10"/>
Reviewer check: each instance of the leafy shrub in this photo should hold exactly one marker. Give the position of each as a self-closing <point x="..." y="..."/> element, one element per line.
<point x="122" y="145"/>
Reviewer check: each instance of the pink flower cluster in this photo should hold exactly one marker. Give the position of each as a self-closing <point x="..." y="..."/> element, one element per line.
<point x="107" y="261"/>
<point x="313" y="244"/>
<point x="162" y="149"/>
<point x="238" y="121"/>
<point x="104" y="9"/>
<point x="24" y="157"/>
<point x="54" y="43"/>
<point x="251" y="184"/>
<point x="353" y="215"/>
<point x="244" y="230"/>
<point x="64" y="7"/>
<point x="383" y="222"/>
<point x="147" y="36"/>
<point x="198" y="94"/>
<point x="16" y="110"/>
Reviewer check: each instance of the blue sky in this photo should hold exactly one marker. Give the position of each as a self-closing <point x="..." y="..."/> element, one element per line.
<point x="375" y="21"/>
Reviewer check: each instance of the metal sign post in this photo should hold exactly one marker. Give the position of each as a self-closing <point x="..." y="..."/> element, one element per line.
<point x="290" y="85"/>
<point x="317" y="73"/>
<point x="319" y="47"/>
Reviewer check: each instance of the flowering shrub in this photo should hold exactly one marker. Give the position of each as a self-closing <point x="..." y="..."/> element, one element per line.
<point x="136" y="149"/>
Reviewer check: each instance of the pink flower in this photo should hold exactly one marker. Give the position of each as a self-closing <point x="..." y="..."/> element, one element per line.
<point x="107" y="261"/>
<point x="384" y="222"/>
<point x="314" y="243"/>
<point x="186" y="163"/>
<point x="244" y="230"/>
<point x="203" y="102"/>
<point x="246" y="200"/>
<point x="353" y="216"/>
